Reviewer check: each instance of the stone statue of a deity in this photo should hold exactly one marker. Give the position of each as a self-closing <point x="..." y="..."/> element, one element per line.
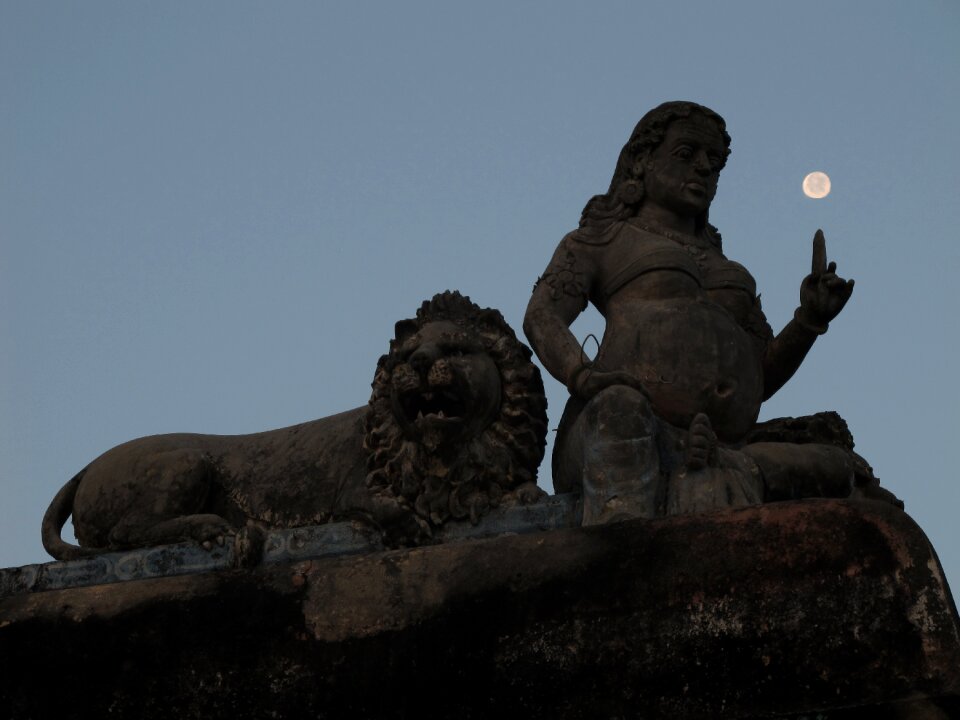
<point x="659" y="422"/>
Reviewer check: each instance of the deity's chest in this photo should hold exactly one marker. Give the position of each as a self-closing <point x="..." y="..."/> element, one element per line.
<point x="659" y="267"/>
<point x="676" y="320"/>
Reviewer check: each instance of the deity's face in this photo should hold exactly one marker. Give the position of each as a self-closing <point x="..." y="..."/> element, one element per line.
<point x="681" y="173"/>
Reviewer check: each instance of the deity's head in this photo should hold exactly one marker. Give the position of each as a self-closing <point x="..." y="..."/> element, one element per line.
<point x="627" y="191"/>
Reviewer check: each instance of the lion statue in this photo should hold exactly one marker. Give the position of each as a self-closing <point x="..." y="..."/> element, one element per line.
<point x="456" y="424"/>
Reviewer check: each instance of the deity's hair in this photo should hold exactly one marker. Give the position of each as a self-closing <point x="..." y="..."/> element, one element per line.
<point x="602" y="211"/>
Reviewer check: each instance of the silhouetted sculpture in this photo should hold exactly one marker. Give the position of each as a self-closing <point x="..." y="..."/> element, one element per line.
<point x="656" y="424"/>
<point x="803" y="609"/>
<point x="456" y="424"/>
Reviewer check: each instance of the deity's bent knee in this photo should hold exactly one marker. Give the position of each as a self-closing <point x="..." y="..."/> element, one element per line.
<point x="611" y="456"/>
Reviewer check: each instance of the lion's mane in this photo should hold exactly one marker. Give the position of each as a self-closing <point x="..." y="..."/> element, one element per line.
<point x="485" y="470"/>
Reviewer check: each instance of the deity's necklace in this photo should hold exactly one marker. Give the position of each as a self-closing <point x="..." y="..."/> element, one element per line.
<point x="694" y="246"/>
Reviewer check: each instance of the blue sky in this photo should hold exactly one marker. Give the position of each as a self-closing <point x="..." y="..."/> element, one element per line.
<point x="211" y="214"/>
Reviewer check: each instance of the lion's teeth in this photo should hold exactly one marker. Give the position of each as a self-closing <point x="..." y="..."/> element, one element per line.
<point x="419" y="414"/>
<point x="440" y="414"/>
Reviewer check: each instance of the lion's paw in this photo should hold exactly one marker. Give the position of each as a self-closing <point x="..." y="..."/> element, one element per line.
<point x="208" y="530"/>
<point x="529" y="493"/>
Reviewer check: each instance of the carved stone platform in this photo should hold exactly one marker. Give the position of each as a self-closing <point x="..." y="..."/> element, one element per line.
<point x="817" y="608"/>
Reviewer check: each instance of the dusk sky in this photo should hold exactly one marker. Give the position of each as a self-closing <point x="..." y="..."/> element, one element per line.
<point x="213" y="213"/>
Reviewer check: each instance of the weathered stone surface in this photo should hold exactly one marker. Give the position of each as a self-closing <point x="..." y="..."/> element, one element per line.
<point x="279" y="546"/>
<point x="662" y="421"/>
<point x="456" y="426"/>
<point x="817" y="607"/>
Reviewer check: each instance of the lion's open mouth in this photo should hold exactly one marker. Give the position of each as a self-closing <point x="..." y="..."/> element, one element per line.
<point x="453" y="397"/>
<point x="434" y="405"/>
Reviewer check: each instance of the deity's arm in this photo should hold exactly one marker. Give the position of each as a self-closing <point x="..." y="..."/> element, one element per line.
<point x="559" y="297"/>
<point x="823" y="295"/>
<point x="784" y="355"/>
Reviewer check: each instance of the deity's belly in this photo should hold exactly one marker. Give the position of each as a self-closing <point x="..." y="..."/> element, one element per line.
<point x="691" y="356"/>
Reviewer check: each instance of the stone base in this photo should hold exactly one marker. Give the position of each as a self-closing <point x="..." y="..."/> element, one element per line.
<point x="817" y="608"/>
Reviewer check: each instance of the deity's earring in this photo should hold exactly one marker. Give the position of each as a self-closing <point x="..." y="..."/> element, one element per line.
<point x="630" y="191"/>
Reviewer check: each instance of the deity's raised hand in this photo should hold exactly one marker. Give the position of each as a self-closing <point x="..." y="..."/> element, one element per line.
<point x="823" y="293"/>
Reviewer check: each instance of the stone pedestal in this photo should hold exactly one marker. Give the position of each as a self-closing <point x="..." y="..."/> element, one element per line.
<point x="817" y="608"/>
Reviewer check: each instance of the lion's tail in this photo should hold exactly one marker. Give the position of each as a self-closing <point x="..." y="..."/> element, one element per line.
<point x="60" y="509"/>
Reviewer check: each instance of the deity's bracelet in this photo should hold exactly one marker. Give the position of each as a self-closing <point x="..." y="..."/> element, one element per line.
<point x="575" y="376"/>
<point x="803" y="321"/>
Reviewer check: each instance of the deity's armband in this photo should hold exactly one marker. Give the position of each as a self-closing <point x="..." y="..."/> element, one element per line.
<point x="565" y="277"/>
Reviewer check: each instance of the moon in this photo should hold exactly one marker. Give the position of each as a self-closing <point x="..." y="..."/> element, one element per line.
<point x="816" y="185"/>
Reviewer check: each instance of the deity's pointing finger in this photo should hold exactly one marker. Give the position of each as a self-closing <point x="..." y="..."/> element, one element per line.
<point x="819" y="264"/>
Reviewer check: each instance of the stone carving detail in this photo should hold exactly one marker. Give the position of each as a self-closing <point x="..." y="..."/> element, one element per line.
<point x="456" y="425"/>
<point x="659" y="422"/>
<point x="565" y="279"/>
<point x="457" y="419"/>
